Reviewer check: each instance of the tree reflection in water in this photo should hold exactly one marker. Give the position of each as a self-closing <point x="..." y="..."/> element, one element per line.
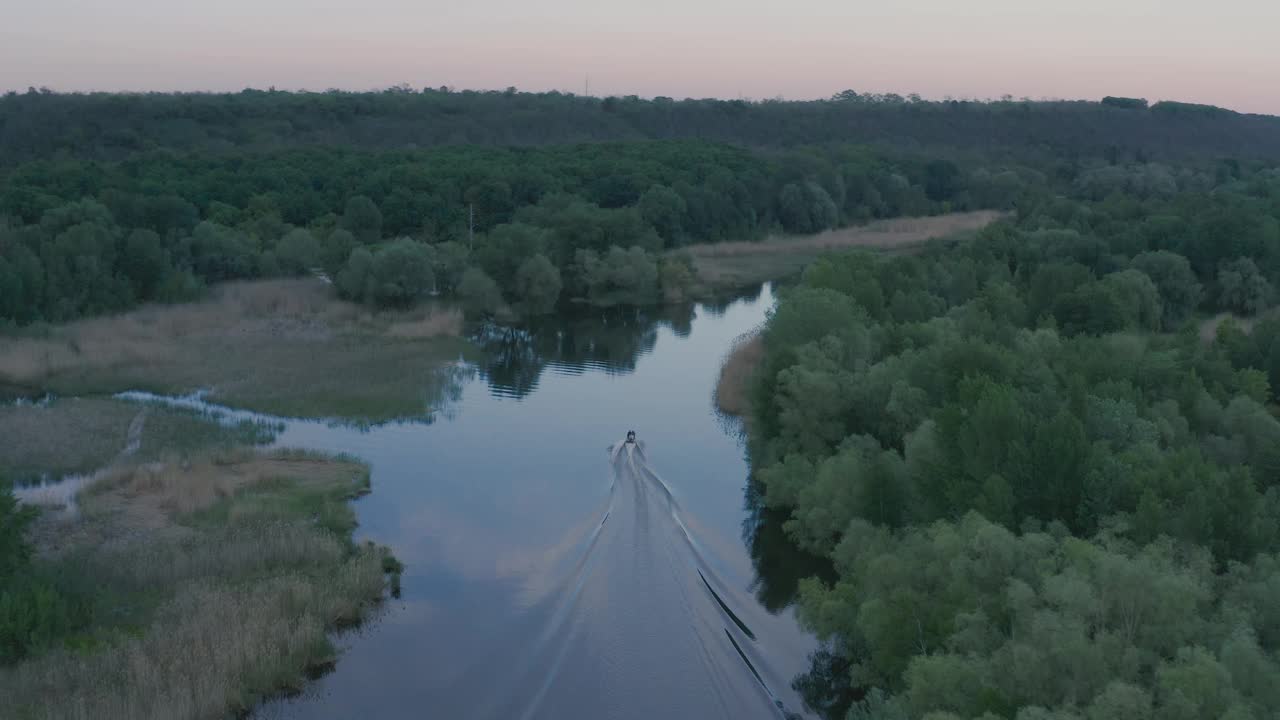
<point x="513" y="357"/>
<point x="780" y="566"/>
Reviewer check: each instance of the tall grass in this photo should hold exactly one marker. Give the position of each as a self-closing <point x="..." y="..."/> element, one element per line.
<point x="285" y="347"/>
<point x="721" y="266"/>
<point x="68" y="435"/>
<point x="79" y="435"/>
<point x="881" y="234"/>
<point x="214" y="649"/>
<point x="216" y="583"/>
<point x="731" y="394"/>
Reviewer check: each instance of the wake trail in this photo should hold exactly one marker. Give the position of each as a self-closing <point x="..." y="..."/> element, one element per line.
<point x="640" y="625"/>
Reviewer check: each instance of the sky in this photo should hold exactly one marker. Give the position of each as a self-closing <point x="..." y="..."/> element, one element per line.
<point x="1223" y="52"/>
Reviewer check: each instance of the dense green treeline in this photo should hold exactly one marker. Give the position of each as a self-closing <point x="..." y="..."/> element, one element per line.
<point x="1044" y="493"/>
<point x="591" y="221"/>
<point x="41" y="124"/>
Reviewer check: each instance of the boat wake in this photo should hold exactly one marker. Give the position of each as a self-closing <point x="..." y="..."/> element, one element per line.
<point x="639" y="624"/>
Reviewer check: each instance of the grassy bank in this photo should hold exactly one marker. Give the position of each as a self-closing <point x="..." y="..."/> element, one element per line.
<point x="733" y="385"/>
<point x="724" y="266"/>
<point x="284" y="347"/>
<point x="208" y="585"/>
<point x="79" y="435"/>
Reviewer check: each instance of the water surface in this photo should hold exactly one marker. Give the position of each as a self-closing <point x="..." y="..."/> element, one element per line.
<point x="546" y="578"/>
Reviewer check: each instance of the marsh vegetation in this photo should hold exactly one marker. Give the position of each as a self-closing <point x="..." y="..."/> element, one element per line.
<point x="188" y="589"/>
<point x="284" y="347"/>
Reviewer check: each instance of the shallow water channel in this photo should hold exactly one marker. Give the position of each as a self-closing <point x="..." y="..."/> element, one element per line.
<point x="547" y="578"/>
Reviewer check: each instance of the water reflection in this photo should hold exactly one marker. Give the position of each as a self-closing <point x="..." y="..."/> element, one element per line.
<point x="779" y="564"/>
<point x="825" y="688"/>
<point x="513" y="358"/>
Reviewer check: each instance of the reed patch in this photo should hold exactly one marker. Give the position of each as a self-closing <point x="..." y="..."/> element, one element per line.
<point x="211" y="584"/>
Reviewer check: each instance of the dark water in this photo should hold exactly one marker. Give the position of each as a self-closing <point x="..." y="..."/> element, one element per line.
<point x="545" y="579"/>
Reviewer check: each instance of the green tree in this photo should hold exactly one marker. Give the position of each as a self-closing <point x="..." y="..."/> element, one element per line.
<point x="450" y="262"/>
<point x="1180" y="292"/>
<point x="1242" y="288"/>
<point x="806" y="208"/>
<point x="664" y="209"/>
<point x="145" y="262"/>
<point x="335" y="250"/>
<point x="356" y="280"/>
<point x="502" y="251"/>
<point x="1139" y="297"/>
<point x="401" y="272"/>
<point x="620" y="276"/>
<point x="538" y="285"/>
<point x="363" y="219"/>
<point x="479" y="293"/>
<point x="676" y="276"/>
<point x="15" y="551"/>
<point x="297" y="252"/>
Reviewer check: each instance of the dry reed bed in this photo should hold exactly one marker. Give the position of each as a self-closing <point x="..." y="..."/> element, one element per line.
<point x="732" y="389"/>
<point x="249" y="584"/>
<point x="881" y="234"/>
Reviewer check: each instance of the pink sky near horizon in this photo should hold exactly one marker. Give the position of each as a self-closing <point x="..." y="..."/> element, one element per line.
<point x="1222" y="53"/>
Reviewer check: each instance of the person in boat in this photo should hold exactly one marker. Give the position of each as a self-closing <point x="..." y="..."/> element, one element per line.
<point x="628" y="444"/>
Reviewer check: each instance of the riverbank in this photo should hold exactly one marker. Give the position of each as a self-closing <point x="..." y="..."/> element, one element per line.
<point x="732" y="393"/>
<point x="283" y="347"/>
<point x="722" y="266"/>
<point x="203" y="586"/>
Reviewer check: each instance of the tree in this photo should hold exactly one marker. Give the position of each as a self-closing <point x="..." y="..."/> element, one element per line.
<point x="664" y="209"/>
<point x="335" y="250"/>
<point x="1242" y="287"/>
<point x="144" y="262"/>
<point x="676" y="276"/>
<point x="363" y="219"/>
<point x="479" y="293"/>
<point x="450" y="262"/>
<point x="621" y="276"/>
<point x="221" y="253"/>
<point x="297" y="252"/>
<point x="15" y="552"/>
<point x="538" y="285"/>
<point x="1050" y="283"/>
<point x="401" y="272"/>
<point x="1095" y="308"/>
<point x="1180" y="292"/>
<point x="356" y="280"/>
<point x="806" y="208"/>
<point x="1139" y="297"/>
<point x="502" y="251"/>
<point x="942" y="180"/>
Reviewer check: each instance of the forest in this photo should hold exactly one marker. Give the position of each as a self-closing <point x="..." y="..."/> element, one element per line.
<point x="518" y="227"/>
<point x="1049" y="489"/>
<point x="40" y="123"/>
<point x="515" y="202"/>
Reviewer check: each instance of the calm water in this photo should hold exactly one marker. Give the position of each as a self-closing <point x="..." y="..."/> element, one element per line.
<point x="546" y="578"/>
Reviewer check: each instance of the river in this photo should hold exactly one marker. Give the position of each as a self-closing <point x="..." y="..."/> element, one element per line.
<point x="547" y="578"/>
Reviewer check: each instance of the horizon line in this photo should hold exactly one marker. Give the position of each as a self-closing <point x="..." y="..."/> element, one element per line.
<point x="407" y="88"/>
